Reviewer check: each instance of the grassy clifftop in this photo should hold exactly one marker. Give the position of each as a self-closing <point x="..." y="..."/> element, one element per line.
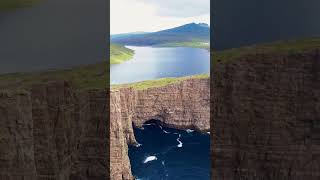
<point x="82" y="77"/>
<point x="119" y="54"/>
<point x="6" y="5"/>
<point x="158" y="82"/>
<point x="280" y="47"/>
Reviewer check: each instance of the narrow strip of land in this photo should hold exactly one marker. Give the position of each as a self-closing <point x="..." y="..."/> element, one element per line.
<point x="119" y="54"/>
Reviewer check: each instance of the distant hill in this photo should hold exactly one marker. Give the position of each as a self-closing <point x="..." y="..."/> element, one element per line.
<point x="124" y="35"/>
<point x="186" y="33"/>
<point x="119" y="54"/>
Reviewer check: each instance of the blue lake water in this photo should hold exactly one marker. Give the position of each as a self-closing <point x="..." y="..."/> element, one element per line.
<point x="152" y="63"/>
<point x="170" y="154"/>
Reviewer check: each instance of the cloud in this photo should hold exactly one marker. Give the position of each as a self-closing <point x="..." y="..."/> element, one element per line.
<point x="153" y="15"/>
<point x="180" y="8"/>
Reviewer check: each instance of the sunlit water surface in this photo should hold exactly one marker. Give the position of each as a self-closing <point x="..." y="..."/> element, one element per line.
<point x="151" y="63"/>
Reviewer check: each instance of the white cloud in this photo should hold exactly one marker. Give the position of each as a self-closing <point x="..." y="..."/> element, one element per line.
<point x="180" y="8"/>
<point x="154" y="15"/>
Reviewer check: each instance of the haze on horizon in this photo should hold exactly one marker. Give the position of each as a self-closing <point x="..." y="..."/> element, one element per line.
<point x="154" y="15"/>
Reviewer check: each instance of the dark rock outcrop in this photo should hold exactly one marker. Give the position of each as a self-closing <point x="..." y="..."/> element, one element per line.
<point x="266" y="117"/>
<point x="181" y="105"/>
<point x="53" y="133"/>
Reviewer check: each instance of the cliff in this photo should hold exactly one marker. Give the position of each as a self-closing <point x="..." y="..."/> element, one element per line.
<point x="53" y="132"/>
<point x="266" y="115"/>
<point x="183" y="104"/>
<point x="265" y="121"/>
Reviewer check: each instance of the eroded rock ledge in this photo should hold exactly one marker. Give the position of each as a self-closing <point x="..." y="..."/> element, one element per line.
<point x="53" y="133"/>
<point x="181" y="105"/>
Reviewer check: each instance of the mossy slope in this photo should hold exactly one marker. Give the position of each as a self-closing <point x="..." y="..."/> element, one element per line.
<point x="158" y="82"/>
<point x="82" y="77"/>
<point x="279" y="47"/>
<point x="119" y="54"/>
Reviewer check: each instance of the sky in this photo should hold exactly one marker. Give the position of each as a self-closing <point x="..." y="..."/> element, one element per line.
<point x="154" y="15"/>
<point x="246" y="22"/>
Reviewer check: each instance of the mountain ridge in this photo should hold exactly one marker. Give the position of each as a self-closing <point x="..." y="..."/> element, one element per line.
<point x="199" y="32"/>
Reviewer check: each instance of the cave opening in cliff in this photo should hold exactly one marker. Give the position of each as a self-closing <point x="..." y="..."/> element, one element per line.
<point x="168" y="153"/>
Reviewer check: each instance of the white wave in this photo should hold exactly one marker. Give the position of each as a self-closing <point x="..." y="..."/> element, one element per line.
<point x="189" y="130"/>
<point x="166" y="132"/>
<point x="208" y="132"/>
<point x="147" y="124"/>
<point x="150" y="158"/>
<point x="180" y="143"/>
<point x="162" y="162"/>
<point x="138" y="145"/>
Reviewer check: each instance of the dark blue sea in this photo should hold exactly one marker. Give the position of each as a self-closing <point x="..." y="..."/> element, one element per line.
<point x="170" y="154"/>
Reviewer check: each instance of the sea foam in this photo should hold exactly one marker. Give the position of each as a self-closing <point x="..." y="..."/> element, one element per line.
<point x="180" y="143"/>
<point x="166" y="132"/>
<point x="138" y="145"/>
<point x="189" y="130"/>
<point x="150" y="158"/>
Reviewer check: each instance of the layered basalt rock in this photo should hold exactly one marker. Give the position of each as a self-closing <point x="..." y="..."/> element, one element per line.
<point x="180" y="105"/>
<point x="52" y="132"/>
<point x="266" y="117"/>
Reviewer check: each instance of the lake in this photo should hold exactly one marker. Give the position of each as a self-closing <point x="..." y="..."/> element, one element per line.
<point x="151" y="63"/>
<point x="167" y="153"/>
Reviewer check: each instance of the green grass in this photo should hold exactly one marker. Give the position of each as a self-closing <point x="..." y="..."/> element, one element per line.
<point x="279" y="47"/>
<point x="193" y="44"/>
<point x="82" y="77"/>
<point x="158" y="82"/>
<point x="119" y="54"/>
<point x="6" y="5"/>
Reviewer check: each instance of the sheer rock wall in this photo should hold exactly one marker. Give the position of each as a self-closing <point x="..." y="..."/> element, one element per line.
<point x="266" y="117"/>
<point x="53" y="133"/>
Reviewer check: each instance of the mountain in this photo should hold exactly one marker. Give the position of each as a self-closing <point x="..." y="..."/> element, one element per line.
<point x="124" y="35"/>
<point x="186" y="33"/>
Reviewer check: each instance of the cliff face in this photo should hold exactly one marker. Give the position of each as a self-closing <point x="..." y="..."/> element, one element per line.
<point x="120" y="167"/>
<point x="265" y="123"/>
<point x="53" y="133"/>
<point x="180" y="105"/>
<point x="266" y="117"/>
